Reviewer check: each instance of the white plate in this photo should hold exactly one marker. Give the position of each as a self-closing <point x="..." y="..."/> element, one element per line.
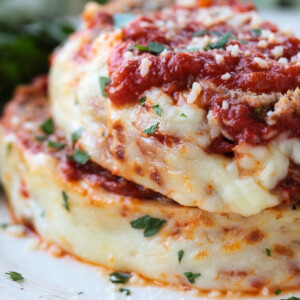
<point x="50" y="278"/>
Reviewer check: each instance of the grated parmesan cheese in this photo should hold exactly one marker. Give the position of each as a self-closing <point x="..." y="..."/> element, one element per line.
<point x="247" y="53"/>
<point x="283" y="60"/>
<point x="196" y="90"/>
<point x="262" y="63"/>
<point x="234" y="50"/>
<point x="225" y="105"/>
<point x="145" y="66"/>
<point x="219" y="58"/>
<point x="277" y="51"/>
<point x="128" y="55"/>
<point x="262" y="44"/>
<point x="226" y="76"/>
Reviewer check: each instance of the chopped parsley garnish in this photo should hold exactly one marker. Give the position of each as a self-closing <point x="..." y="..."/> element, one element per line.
<point x="183" y="115"/>
<point x="157" y="48"/>
<point x="121" y="20"/>
<point x="221" y="43"/>
<point x="278" y="292"/>
<point x="43" y="214"/>
<point x="242" y="41"/>
<point x="292" y="298"/>
<point x="142" y="101"/>
<point x="217" y="33"/>
<point x="76" y="135"/>
<point x="256" y="31"/>
<point x="152" y="47"/>
<point x="103" y="134"/>
<point x="151" y="129"/>
<point x="200" y="33"/>
<point x="8" y="148"/>
<point x="104" y="81"/>
<point x="80" y="293"/>
<point x="150" y="225"/>
<point x="40" y="138"/>
<point x="268" y="251"/>
<point x="180" y="255"/>
<point x="157" y="109"/>
<point x="191" y="276"/>
<point x="126" y="292"/>
<point x="117" y="277"/>
<point x="4" y="225"/>
<point x="65" y="201"/>
<point x="140" y="48"/>
<point x="48" y="127"/>
<point x="15" y="276"/>
<point x="56" y="145"/>
<point x="81" y="157"/>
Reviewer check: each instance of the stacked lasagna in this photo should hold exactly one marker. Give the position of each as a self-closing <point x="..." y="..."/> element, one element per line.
<point x="166" y="144"/>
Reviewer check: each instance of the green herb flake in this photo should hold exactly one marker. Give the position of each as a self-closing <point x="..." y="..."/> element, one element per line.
<point x="256" y="32"/>
<point x="183" y="115"/>
<point x="152" y="47"/>
<point x="65" y="201"/>
<point x="157" y="109"/>
<point x="103" y="134"/>
<point x="150" y="225"/>
<point x="180" y="255"/>
<point x="151" y="129"/>
<point x="15" y="276"/>
<point x="121" y="20"/>
<point x="242" y="41"/>
<point x="40" y="138"/>
<point x="76" y="135"/>
<point x="140" y="48"/>
<point x="192" y="276"/>
<point x="126" y="292"/>
<point x="117" y="277"/>
<point x="278" y="292"/>
<point x="48" y="127"/>
<point x="292" y="298"/>
<point x="4" y="225"/>
<point x="81" y="157"/>
<point x="200" y="33"/>
<point x="8" y="148"/>
<point x="56" y="145"/>
<point x="221" y="43"/>
<point x="268" y="251"/>
<point x="142" y="101"/>
<point x="216" y="33"/>
<point x="104" y="81"/>
<point x="80" y="293"/>
<point x="43" y="214"/>
<point x="157" y="48"/>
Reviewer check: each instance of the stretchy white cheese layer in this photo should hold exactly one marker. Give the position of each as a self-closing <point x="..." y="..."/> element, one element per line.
<point x="183" y="171"/>
<point x="228" y="250"/>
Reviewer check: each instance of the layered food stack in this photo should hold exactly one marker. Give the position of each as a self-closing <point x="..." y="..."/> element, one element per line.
<point x="167" y="145"/>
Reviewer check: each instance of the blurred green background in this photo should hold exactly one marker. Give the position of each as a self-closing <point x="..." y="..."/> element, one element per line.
<point x="31" y="29"/>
